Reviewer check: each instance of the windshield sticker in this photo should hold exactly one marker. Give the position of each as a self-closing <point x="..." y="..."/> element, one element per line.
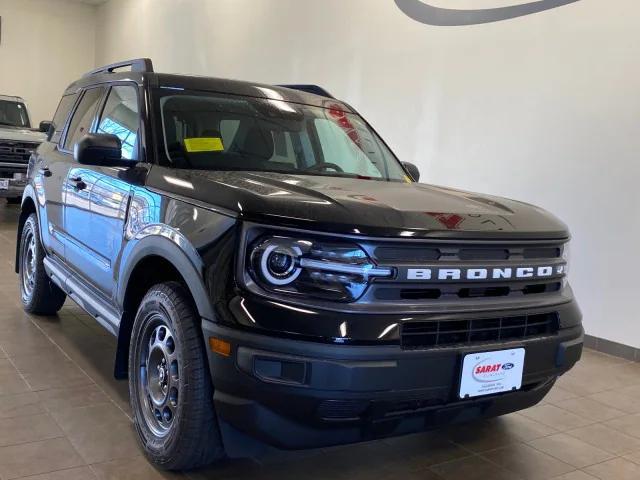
<point x="203" y="144"/>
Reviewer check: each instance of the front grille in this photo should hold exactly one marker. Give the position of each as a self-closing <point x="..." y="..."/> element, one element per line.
<point x="436" y="333"/>
<point x="16" y="152"/>
<point x="436" y="254"/>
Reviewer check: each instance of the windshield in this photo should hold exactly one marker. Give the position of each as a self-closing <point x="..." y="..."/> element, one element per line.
<point x="13" y="114"/>
<point x="209" y="131"/>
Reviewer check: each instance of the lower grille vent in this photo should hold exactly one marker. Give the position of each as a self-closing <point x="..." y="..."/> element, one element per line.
<point x="396" y="293"/>
<point x="424" y="334"/>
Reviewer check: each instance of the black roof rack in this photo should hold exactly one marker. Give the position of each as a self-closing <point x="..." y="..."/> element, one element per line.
<point x="315" y="89"/>
<point x="137" y="65"/>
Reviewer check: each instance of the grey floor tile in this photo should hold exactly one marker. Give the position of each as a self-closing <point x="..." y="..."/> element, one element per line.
<point x="30" y="428"/>
<point x="62" y="398"/>
<point x="498" y="432"/>
<point x="615" y="469"/>
<point x="607" y="439"/>
<point x="556" y="417"/>
<point x="19" y="404"/>
<point x="571" y="450"/>
<point x="617" y="399"/>
<point x="592" y="358"/>
<point x="629" y="424"/>
<point x="586" y="385"/>
<point x="528" y="462"/>
<point x="575" y="475"/>
<point x="557" y="394"/>
<point x="11" y="382"/>
<point x="99" y="433"/>
<point x="50" y="370"/>
<point x="424" y="449"/>
<point x="137" y="468"/>
<point x="38" y="457"/>
<point x="589" y="408"/>
<point x="77" y="473"/>
<point x="29" y="341"/>
<point x="472" y="468"/>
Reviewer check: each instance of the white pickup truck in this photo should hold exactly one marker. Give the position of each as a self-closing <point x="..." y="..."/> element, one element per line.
<point x="17" y="141"/>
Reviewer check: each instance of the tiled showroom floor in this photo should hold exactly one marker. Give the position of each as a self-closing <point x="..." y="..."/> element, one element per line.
<point x="62" y="412"/>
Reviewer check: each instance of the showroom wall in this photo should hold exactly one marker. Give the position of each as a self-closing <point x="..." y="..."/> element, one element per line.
<point x="45" y="45"/>
<point x="543" y="108"/>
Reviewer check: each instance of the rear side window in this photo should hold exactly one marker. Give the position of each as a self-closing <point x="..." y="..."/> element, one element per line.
<point x="120" y="117"/>
<point x="60" y="118"/>
<point x="83" y="117"/>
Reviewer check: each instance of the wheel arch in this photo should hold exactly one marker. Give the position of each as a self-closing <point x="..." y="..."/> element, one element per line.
<point x="28" y="207"/>
<point x="155" y="259"/>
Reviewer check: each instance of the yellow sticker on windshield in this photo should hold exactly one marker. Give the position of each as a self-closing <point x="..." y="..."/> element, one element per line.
<point x="203" y="144"/>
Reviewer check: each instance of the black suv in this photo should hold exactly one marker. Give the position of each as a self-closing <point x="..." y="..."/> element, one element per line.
<point x="274" y="275"/>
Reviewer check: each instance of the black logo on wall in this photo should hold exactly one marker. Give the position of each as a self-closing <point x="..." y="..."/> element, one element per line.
<point x="425" y="13"/>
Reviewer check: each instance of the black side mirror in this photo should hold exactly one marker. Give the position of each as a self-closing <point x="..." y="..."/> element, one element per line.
<point x="412" y="170"/>
<point x="46" y="127"/>
<point x="101" y="149"/>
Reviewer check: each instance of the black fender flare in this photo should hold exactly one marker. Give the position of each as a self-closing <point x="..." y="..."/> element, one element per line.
<point x="168" y="243"/>
<point x="29" y="193"/>
<point x="171" y="245"/>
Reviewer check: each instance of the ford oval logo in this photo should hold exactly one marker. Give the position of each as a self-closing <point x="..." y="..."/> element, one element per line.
<point x="508" y="366"/>
<point x="439" y="16"/>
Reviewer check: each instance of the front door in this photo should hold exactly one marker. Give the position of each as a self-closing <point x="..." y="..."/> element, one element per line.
<point x="97" y="197"/>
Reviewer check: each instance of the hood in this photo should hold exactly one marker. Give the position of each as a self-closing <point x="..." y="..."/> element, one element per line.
<point x="355" y="206"/>
<point x="21" y="134"/>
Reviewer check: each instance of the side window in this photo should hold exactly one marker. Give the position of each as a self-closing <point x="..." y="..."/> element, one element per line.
<point x="60" y="118"/>
<point x="121" y="117"/>
<point x="83" y="116"/>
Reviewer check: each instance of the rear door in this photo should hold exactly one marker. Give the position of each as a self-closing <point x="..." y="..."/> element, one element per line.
<point x="50" y="172"/>
<point x="97" y="198"/>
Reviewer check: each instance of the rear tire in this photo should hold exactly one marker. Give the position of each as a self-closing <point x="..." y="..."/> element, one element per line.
<point x="38" y="293"/>
<point x="170" y="387"/>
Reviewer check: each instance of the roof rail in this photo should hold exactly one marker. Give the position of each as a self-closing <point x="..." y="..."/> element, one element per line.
<point x="137" y="65"/>
<point x="315" y="89"/>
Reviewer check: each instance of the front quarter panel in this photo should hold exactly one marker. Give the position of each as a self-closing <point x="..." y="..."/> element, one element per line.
<point x="185" y="234"/>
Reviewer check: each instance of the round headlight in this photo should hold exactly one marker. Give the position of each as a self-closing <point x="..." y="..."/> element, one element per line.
<point x="328" y="270"/>
<point x="279" y="264"/>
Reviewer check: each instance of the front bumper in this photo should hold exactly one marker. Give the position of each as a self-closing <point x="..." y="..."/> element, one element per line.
<point x="298" y="394"/>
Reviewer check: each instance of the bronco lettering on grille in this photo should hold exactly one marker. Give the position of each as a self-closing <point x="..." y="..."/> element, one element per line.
<point x="497" y="273"/>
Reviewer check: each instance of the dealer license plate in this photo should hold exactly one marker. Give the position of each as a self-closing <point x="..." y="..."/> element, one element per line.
<point x="4" y="184"/>
<point x="487" y="373"/>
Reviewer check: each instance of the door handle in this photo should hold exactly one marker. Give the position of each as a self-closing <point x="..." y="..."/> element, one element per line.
<point x="79" y="184"/>
<point x="45" y="171"/>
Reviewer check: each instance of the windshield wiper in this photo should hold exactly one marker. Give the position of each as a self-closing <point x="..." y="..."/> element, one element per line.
<point x="8" y="124"/>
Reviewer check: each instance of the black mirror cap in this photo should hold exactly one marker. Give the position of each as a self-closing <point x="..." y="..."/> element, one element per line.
<point x="412" y="170"/>
<point x="45" y="127"/>
<point x="99" y="149"/>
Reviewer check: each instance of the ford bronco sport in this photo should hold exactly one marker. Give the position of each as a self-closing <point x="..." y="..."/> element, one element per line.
<point x="274" y="275"/>
<point x="17" y="141"/>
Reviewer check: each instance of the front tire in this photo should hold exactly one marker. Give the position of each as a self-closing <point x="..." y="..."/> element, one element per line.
<point x="169" y="384"/>
<point x="38" y="293"/>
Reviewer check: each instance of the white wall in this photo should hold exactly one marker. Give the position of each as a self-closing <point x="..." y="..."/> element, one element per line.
<point x="45" y="45"/>
<point x="543" y="108"/>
